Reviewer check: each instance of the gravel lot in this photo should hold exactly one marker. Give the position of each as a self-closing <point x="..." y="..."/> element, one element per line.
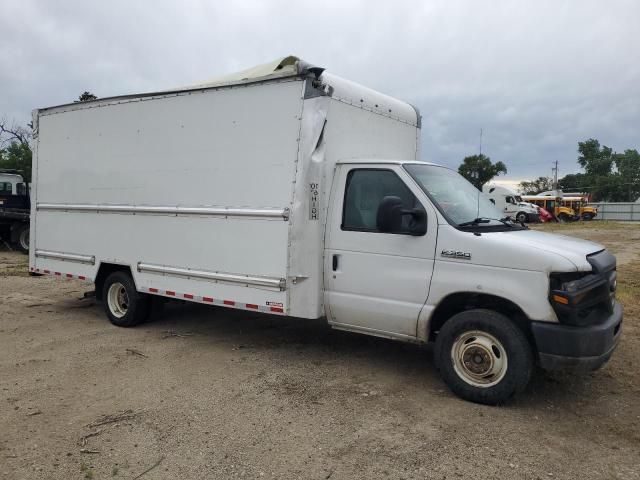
<point x="204" y="392"/>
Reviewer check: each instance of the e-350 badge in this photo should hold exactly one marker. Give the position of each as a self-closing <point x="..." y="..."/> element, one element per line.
<point x="456" y="254"/>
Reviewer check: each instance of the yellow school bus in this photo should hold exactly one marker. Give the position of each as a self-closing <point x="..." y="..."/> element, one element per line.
<point x="553" y="205"/>
<point x="579" y="205"/>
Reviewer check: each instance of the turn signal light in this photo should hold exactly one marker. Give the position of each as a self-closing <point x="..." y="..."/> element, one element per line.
<point x="559" y="299"/>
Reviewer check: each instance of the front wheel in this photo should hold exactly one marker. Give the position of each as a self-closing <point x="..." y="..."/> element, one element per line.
<point x="123" y="304"/>
<point x="522" y="217"/>
<point x="587" y="216"/>
<point x="483" y="357"/>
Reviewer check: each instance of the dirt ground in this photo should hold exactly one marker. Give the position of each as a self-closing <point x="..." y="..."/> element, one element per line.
<point x="204" y="392"/>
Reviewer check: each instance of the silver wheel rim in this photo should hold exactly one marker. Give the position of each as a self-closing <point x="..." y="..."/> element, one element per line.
<point x="24" y="239"/>
<point x="118" y="300"/>
<point x="479" y="358"/>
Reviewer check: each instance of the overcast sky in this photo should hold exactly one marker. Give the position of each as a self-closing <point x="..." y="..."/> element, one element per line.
<point x="537" y="76"/>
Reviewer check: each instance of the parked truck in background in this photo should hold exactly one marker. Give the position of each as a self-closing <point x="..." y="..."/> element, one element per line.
<point x="510" y="203"/>
<point x="14" y="209"/>
<point x="290" y="191"/>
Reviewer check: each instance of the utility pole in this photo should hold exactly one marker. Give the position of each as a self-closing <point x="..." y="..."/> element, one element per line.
<point x="481" y="141"/>
<point x="555" y="175"/>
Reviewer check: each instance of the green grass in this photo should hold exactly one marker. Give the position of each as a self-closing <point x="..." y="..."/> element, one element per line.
<point x="629" y="284"/>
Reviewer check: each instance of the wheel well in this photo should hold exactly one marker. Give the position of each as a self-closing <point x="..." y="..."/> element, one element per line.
<point x="459" y="302"/>
<point x="104" y="271"/>
<point x="15" y="230"/>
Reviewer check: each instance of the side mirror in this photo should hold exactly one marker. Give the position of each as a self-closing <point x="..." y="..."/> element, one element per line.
<point x="418" y="225"/>
<point x="390" y="214"/>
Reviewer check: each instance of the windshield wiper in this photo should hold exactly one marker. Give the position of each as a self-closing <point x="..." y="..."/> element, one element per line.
<point x="506" y="221"/>
<point x="475" y="221"/>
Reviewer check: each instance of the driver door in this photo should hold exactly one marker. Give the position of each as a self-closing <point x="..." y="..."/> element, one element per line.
<point x="510" y="206"/>
<point x="376" y="282"/>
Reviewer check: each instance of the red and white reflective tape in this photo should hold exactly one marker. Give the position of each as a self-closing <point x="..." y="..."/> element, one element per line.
<point x="69" y="276"/>
<point x="217" y="301"/>
<point x="172" y="294"/>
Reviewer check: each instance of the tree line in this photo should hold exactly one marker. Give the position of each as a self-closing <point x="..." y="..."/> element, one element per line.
<point x="606" y="176"/>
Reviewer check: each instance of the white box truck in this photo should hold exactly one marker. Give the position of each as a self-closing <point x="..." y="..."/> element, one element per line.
<point x="290" y="191"/>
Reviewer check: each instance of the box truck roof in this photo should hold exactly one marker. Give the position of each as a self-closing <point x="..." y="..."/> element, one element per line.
<point x="281" y="69"/>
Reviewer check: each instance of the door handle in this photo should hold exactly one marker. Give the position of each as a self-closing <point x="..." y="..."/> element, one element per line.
<point x="335" y="262"/>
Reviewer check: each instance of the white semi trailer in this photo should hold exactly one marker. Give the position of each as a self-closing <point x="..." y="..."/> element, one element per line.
<point x="290" y="191"/>
<point x="510" y="203"/>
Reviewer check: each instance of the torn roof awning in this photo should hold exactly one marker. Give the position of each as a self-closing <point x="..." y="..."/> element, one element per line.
<point x="281" y="67"/>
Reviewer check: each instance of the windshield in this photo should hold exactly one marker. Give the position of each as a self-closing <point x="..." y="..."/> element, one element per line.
<point x="454" y="196"/>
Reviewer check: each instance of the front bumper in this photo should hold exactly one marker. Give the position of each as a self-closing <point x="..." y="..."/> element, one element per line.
<point x="566" y="347"/>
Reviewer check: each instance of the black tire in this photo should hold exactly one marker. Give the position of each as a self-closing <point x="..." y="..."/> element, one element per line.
<point x="22" y="238"/>
<point x="563" y="218"/>
<point x="522" y="217"/>
<point x="125" y="306"/>
<point x="587" y="217"/>
<point x="515" y="356"/>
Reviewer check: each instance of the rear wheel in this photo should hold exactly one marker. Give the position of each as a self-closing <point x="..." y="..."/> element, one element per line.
<point x="483" y="357"/>
<point x="563" y="217"/>
<point x="23" y="238"/>
<point x="123" y="304"/>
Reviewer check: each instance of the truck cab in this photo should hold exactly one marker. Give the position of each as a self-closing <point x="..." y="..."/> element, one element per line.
<point x="511" y="204"/>
<point x="414" y="252"/>
<point x="12" y="186"/>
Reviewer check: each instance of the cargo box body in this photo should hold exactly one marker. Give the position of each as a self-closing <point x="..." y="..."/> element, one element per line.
<point x="216" y="194"/>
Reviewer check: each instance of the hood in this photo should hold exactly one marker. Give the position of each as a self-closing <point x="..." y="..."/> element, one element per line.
<point x="520" y="249"/>
<point x="573" y="249"/>
<point x="528" y="206"/>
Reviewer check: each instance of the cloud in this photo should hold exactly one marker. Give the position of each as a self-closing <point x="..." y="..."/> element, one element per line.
<point x="537" y="77"/>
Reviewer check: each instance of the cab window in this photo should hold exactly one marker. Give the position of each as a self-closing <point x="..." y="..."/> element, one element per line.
<point x="364" y="191"/>
<point x="5" y="188"/>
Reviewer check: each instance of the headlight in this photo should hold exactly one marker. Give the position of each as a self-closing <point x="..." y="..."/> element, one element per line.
<point x="580" y="298"/>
